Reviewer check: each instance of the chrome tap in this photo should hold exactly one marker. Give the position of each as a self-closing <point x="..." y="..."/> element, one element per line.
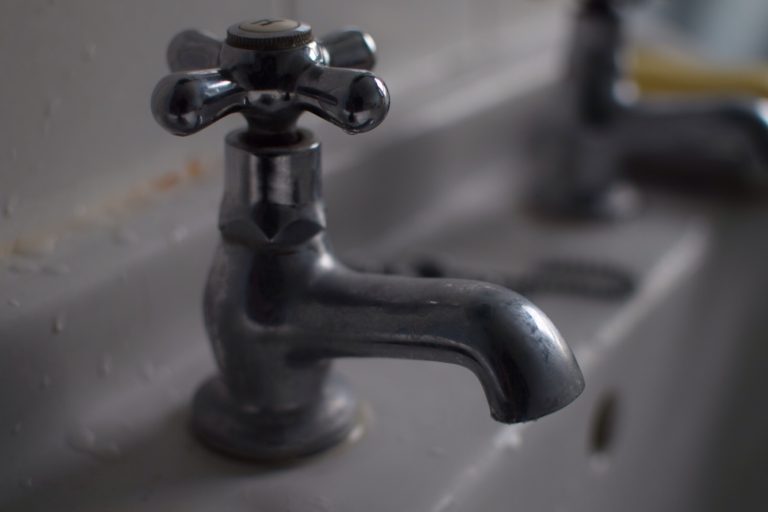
<point x="278" y="305"/>
<point x="602" y="128"/>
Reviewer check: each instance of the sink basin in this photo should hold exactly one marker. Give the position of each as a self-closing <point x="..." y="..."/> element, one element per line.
<point x="103" y="345"/>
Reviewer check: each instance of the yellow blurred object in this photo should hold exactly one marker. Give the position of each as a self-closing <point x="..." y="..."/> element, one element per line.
<point x="657" y="71"/>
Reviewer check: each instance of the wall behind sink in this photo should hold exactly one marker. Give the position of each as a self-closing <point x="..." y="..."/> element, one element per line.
<point x="77" y="76"/>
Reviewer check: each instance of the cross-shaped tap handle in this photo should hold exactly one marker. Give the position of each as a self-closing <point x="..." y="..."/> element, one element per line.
<point x="270" y="71"/>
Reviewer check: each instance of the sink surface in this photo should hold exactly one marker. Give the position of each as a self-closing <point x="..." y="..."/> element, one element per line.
<point x="103" y="345"/>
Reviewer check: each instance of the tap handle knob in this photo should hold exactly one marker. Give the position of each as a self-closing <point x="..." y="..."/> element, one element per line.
<point x="270" y="71"/>
<point x="192" y="49"/>
<point x="350" y="48"/>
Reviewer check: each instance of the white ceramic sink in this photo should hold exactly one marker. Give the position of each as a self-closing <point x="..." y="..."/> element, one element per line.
<point x="102" y="345"/>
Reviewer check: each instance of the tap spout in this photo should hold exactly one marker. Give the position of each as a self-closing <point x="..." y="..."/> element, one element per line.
<point x="279" y="308"/>
<point x="526" y="369"/>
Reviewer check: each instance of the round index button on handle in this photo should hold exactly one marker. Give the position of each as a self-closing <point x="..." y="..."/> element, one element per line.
<point x="269" y="34"/>
<point x="269" y="26"/>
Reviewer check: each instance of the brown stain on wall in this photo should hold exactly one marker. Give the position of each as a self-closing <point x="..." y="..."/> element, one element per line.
<point x="27" y="244"/>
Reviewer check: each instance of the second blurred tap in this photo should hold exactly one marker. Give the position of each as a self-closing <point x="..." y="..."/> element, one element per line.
<point x="601" y="128"/>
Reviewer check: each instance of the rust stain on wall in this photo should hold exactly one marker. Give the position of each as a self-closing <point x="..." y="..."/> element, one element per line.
<point x="42" y="242"/>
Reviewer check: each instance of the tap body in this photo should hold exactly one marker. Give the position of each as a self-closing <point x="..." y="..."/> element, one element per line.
<point x="603" y="127"/>
<point x="279" y="307"/>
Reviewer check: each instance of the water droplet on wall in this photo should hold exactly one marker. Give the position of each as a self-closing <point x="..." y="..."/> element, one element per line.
<point x="24" y="267"/>
<point x="179" y="234"/>
<point x="82" y="439"/>
<point x="113" y="450"/>
<point x="82" y="211"/>
<point x="125" y="236"/>
<point x="85" y="441"/>
<point x="356" y="434"/>
<point x="174" y="394"/>
<point x="447" y="502"/>
<point x="149" y="371"/>
<point x="303" y="503"/>
<point x="511" y="440"/>
<point x="17" y="428"/>
<point x="51" y="106"/>
<point x="14" y="303"/>
<point x="27" y="483"/>
<point x="89" y="52"/>
<point x="436" y="452"/>
<point x="10" y="206"/>
<point x="56" y="269"/>
<point x="59" y="323"/>
<point x="106" y="365"/>
<point x="45" y="382"/>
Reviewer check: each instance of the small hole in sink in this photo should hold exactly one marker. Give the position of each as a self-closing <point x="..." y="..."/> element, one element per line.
<point x="428" y="268"/>
<point x="602" y="435"/>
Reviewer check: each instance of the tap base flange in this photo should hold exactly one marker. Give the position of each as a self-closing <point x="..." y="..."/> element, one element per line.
<point x="224" y="425"/>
